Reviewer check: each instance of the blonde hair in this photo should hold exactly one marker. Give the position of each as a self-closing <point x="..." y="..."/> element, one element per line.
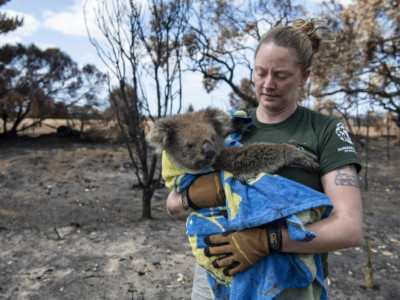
<point x="302" y="38"/>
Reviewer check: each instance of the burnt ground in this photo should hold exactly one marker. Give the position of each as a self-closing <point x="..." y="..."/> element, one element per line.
<point x="70" y="228"/>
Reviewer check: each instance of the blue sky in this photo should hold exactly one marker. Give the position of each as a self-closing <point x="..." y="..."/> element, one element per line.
<point x="49" y="23"/>
<point x="60" y="24"/>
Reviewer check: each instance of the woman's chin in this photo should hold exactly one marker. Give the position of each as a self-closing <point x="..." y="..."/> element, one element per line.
<point x="269" y="103"/>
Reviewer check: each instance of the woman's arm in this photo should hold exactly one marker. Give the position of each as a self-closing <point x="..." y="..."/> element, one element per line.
<point x="343" y="228"/>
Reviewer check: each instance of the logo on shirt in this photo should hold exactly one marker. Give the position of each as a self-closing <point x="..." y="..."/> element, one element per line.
<point x="342" y="133"/>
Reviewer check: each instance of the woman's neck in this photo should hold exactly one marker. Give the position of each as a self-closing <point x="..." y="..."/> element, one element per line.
<point x="272" y="117"/>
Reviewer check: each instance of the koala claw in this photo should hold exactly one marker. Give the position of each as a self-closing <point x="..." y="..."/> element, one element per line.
<point x="243" y="177"/>
<point x="292" y="142"/>
<point x="308" y="161"/>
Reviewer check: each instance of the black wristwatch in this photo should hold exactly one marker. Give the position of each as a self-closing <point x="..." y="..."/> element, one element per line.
<point x="186" y="201"/>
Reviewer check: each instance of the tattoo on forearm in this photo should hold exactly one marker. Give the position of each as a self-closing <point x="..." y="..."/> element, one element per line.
<point x="347" y="176"/>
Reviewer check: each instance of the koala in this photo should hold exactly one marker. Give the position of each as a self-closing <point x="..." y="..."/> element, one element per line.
<point x="195" y="140"/>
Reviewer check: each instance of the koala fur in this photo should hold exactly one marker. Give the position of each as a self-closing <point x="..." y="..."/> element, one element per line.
<point x="195" y="140"/>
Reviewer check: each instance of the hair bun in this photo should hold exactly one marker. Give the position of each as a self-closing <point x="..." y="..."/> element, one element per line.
<point x="310" y="28"/>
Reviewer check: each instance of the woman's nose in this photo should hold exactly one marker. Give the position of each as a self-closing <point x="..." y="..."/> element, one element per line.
<point x="269" y="83"/>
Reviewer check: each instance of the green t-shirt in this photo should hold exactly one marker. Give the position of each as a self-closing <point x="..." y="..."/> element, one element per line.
<point x="322" y="135"/>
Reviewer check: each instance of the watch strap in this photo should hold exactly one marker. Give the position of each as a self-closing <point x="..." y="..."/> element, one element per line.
<point x="274" y="236"/>
<point x="186" y="201"/>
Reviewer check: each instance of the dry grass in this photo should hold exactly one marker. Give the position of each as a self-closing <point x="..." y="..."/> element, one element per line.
<point x="49" y="126"/>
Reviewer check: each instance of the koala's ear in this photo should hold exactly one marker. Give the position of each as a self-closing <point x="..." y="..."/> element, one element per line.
<point x="221" y="120"/>
<point x="161" y="134"/>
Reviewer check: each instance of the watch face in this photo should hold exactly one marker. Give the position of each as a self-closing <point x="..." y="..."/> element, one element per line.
<point x="185" y="202"/>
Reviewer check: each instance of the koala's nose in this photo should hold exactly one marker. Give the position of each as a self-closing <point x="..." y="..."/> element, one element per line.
<point x="208" y="149"/>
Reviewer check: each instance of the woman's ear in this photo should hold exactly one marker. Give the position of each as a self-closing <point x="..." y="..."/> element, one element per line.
<point x="304" y="77"/>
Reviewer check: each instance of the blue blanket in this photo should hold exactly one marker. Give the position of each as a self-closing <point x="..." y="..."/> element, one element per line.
<point x="272" y="199"/>
<point x="261" y="200"/>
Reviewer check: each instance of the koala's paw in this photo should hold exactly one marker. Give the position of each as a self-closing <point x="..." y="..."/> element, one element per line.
<point x="308" y="161"/>
<point x="292" y="142"/>
<point x="243" y="177"/>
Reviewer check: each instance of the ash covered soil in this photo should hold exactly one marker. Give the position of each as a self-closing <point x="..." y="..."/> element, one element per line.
<point x="70" y="227"/>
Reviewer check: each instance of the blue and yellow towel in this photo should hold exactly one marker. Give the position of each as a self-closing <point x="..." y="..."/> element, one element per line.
<point x="261" y="200"/>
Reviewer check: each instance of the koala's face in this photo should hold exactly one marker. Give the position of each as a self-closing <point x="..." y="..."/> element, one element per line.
<point x="194" y="139"/>
<point x="195" y="145"/>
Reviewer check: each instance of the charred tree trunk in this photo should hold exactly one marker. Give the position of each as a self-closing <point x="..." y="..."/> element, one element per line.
<point x="146" y="202"/>
<point x="131" y="39"/>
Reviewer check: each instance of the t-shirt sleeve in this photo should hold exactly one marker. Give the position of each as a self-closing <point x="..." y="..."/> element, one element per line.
<point x="336" y="148"/>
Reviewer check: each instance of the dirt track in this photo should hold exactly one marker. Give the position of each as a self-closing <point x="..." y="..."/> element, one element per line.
<point x="70" y="229"/>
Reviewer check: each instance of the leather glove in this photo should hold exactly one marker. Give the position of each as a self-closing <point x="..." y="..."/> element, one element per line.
<point x="205" y="191"/>
<point x="242" y="249"/>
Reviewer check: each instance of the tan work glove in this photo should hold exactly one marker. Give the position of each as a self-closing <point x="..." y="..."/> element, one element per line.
<point x="205" y="191"/>
<point x="242" y="249"/>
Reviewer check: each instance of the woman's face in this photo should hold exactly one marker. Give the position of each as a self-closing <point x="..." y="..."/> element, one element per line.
<point x="277" y="78"/>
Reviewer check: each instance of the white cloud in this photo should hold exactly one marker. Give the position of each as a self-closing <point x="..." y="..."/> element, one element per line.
<point x="8" y="39"/>
<point x="70" y="21"/>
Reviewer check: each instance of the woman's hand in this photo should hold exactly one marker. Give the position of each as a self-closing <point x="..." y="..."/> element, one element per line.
<point x="239" y="250"/>
<point x="205" y="191"/>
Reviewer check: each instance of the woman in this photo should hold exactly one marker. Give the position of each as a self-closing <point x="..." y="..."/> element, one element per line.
<point x="282" y="65"/>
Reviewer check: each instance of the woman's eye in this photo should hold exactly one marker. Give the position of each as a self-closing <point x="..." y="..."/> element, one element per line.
<point x="261" y="74"/>
<point x="282" y="76"/>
